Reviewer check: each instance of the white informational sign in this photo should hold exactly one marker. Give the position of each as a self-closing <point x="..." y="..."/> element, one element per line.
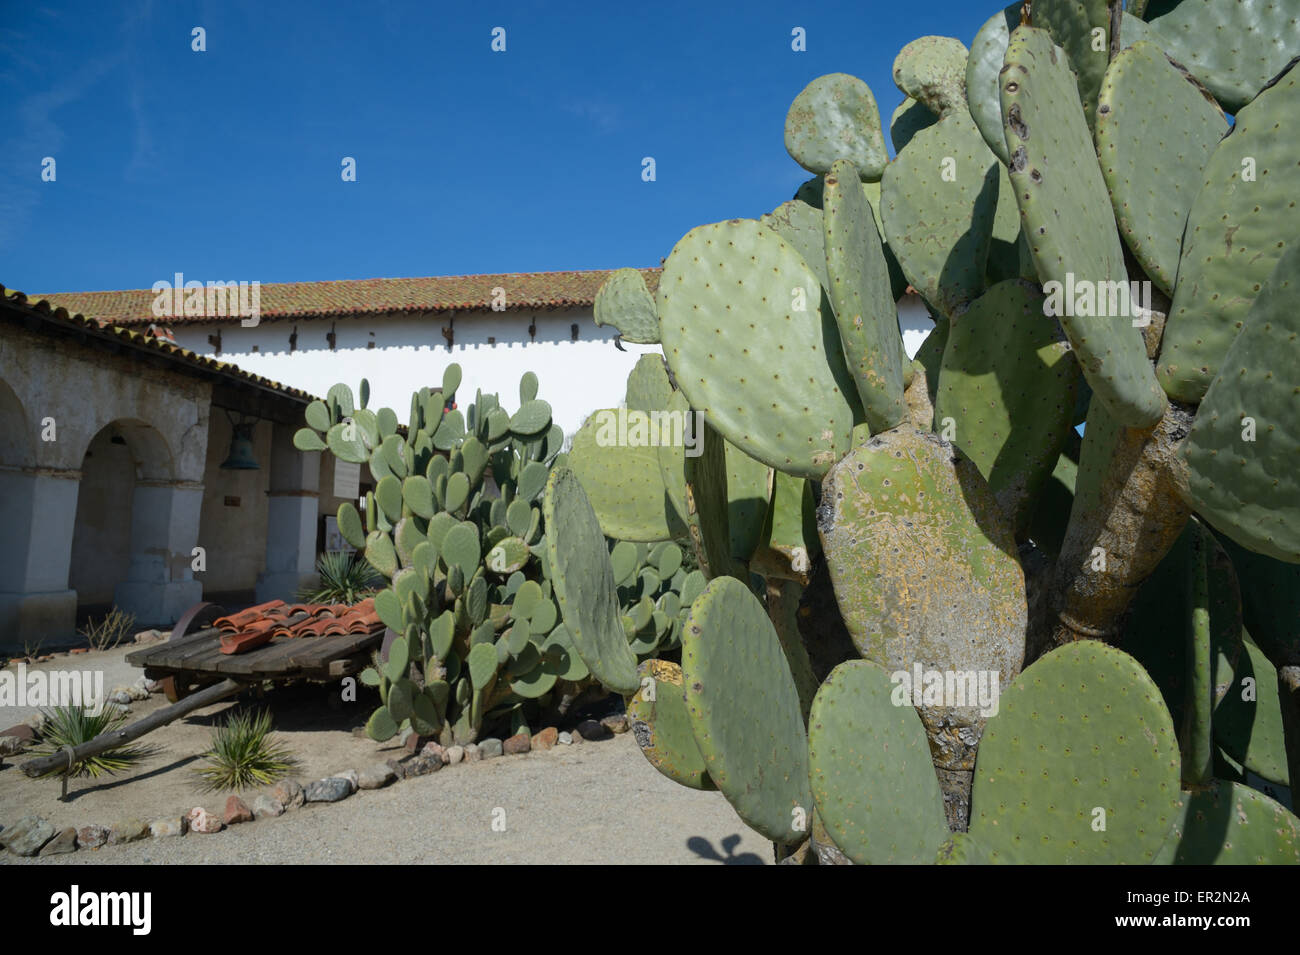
<point x="347" y="480"/>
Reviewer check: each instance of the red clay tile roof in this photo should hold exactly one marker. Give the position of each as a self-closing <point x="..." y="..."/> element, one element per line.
<point x="533" y="291"/>
<point x="18" y="304"/>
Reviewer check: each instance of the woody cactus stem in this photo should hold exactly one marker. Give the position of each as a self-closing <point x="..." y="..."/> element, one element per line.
<point x="1127" y="514"/>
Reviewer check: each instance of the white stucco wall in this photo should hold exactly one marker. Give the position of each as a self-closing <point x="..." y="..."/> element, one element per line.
<point x="400" y="354"/>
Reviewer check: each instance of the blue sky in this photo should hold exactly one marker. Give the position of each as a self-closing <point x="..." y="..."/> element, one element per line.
<point x="226" y="164"/>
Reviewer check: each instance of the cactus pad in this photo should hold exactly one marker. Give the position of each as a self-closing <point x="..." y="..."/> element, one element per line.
<point x="1242" y="449"/>
<point x="835" y="117"/>
<point x="752" y="343"/>
<point x="938" y="201"/>
<point x="1156" y="130"/>
<point x="661" y="728"/>
<point x="621" y="476"/>
<point x="932" y="71"/>
<point x="624" y="302"/>
<point x="910" y="117"/>
<point x="1233" y="48"/>
<point x="1231" y="824"/>
<point x="1007" y="386"/>
<point x="1082" y="29"/>
<point x="1241" y="221"/>
<point x="987" y="53"/>
<point x="744" y="710"/>
<point x="863" y="301"/>
<point x="1066" y="214"/>
<point x="874" y="786"/>
<point x="584" y="583"/>
<point x="1082" y="740"/>
<point x="801" y="224"/>
<point x="924" y="569"/>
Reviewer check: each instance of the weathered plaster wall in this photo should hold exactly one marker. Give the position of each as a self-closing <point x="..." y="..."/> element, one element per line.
<point x="233" y="535"/>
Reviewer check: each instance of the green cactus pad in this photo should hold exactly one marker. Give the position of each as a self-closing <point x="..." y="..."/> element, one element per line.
<point x="1237" y="230"/>
<point x="305" y="439"/>
<point x="1270" y="596"/>
<point x="507" y="556"/>
<point x="1066" y="213"/>
<point x="862" y="298"/>
<point x="584" y="583"/>
<point x="1007" y="389"/>
<point x="661" y="727"/>
<point x="1248" y="720"/>
<point x="987" y="53"/>
<point x="380" y="553"/>
<point x="460" y="548"/>
<point x="350" y="525"/>
<point x="625" y="303"/>
<point x="932" y="71"/>
<point x="707" y="505"/>
<point x="672" y="457"/>
<point x="1156" y="129"/>
<point x="802" y="225"/>
<point x="1082" y="739"/>
<point x="748" y="488"/>
<point x="344" y="440"/>
<point x="744" y="710"/>
<point x="1073" y="25"/>
<point x="1232" y="824"/>
<point x="1242" y="450"/>
<point x="835" y="117"/>
<point x="938" y="202"/>
<point x="752" y="343"/>
<point x="1233" y="48"/>
<point x="533" y="417"/>
<point x="381" y="726"/>
<point x="648" y="387"/>
<point x="872" y="780"/>
<point x="789" y="540"/>
<point x="621" y="476"/>
<point x="925" y="571"/>
<point x="910" y="117"/>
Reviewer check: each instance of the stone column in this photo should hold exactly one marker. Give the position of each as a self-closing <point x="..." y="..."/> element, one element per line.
<point x="160" y="584"/>
<point x="38" y="511"/>
<point x="291" y="519"/>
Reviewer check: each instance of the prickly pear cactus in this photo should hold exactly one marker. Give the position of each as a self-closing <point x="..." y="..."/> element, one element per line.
<point x="1100" y="250"/>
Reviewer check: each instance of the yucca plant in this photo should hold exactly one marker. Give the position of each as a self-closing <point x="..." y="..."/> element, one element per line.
<point x="344" y="579"/>
<point x="73" y="725"/>
<point x="243" y="755"/>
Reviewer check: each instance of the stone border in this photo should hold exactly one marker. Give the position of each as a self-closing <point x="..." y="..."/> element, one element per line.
<point x="32" y="835"/>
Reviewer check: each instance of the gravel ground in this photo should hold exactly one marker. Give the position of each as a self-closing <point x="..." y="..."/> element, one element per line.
<point x="589" y="803"/>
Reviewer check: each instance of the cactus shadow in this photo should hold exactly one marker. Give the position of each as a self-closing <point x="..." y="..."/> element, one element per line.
<point x="704" y="849"/>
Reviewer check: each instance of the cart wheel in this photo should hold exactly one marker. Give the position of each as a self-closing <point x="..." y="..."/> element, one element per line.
<point x="176" y="688"/>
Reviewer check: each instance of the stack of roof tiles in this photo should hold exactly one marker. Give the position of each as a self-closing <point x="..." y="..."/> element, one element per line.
<point x="257" y="626"/>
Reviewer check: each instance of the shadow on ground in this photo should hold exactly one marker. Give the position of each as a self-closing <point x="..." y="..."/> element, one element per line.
<point x="704" y="849"/>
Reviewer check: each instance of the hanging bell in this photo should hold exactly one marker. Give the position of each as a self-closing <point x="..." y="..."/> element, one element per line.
<point x="241" y="457"/>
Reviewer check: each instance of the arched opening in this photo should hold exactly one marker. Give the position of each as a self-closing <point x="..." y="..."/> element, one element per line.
<point x="121" y="457"/>
<point x="16" y="458"/>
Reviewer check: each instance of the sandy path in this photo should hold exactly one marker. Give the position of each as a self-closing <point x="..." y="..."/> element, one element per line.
<point x="592" y="802"/>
